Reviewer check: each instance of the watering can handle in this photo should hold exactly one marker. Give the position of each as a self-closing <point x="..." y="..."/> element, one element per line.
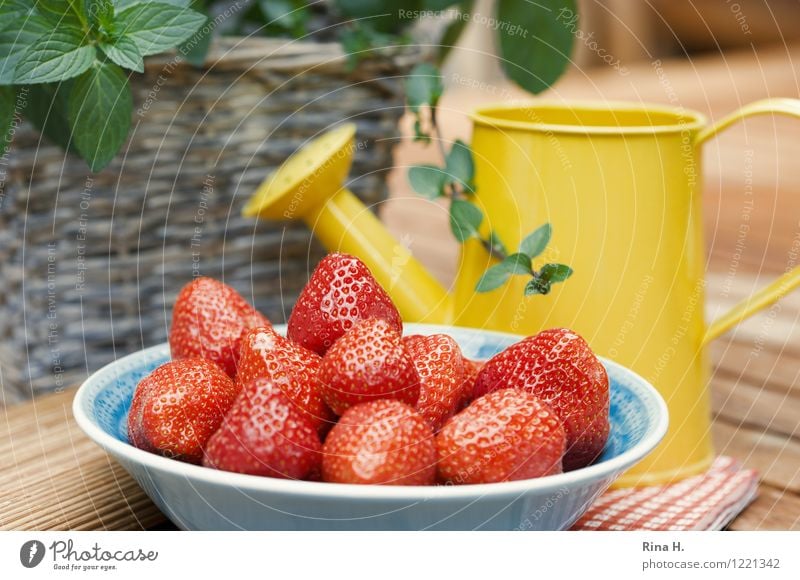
<point x="791" y="278"/>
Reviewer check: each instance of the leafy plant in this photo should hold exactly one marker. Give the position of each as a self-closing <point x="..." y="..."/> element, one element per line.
<point x="68" y="59"/>
<point x="533" y="46"/>
<point x="455" y="181"/>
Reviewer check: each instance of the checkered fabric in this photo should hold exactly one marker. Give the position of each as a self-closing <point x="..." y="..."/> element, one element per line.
<point x="708" y="501"/>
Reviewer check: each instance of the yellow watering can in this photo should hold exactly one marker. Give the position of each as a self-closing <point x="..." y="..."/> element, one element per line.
<point x="620" y="184"/>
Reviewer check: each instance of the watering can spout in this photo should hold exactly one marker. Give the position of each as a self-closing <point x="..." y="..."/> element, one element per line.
<point x="310" y="186"/>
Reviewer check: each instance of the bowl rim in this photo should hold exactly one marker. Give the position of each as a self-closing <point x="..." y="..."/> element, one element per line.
<point x="256" y="483"/>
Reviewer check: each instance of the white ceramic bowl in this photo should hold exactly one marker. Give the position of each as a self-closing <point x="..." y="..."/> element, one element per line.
<point x="199" y="498"/>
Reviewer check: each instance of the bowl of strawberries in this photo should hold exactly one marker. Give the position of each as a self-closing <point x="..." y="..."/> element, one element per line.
<point x="347" y="418"/>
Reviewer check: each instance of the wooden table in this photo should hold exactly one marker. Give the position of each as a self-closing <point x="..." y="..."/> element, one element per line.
<point x="52" y="477"/>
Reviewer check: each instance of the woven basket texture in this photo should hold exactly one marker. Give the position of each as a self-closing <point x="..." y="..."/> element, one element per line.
<point x="91" y="263"/>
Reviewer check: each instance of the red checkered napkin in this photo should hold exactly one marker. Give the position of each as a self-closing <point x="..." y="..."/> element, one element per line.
<point x="708" y="501"/>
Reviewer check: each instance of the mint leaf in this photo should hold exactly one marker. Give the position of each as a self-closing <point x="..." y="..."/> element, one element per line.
<point x="47" y="109"/>
<point x="287" y="15"/>
<point x="497" y="275"/>
<point x="123" y="4"/>
<point x="493" y="278"/>
<point x="12" y="12"/>
<point x="8" y="103"/>
<point x="465" y="219"/>
<point x="56" y="56"/>
<point x="555" y="272"/>
<point x="124" y="52"/>
<point x="15" y="40"/>
<point x="157" y="26"/>
<point x="453" y="32"/>
<point x="549" y="274"/>
<point x="537" y="286"/>
<point x="459" y="164"/>
<point x="536" y="50"/>
<point x="423" y="86"/>
<point x="427" y="180"/>
<point x="101" y="13"/>
<point x="195" y="49"/>
<point x="535" y="243"/>
<point x="100" y="113"/>
<point x="59" y="12"/>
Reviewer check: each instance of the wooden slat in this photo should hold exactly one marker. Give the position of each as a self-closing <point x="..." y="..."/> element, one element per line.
<point x="54" y="477"/>
<point x="773" y="509"/>
<point x="776" y="457"/>
<point x="741" y="402"/>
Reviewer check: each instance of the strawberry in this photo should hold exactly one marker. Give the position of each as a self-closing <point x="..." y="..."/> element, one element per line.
<point x="209" y="320"/>
<point x="559" y="367"/>
<point x="290" y="367"/>
<point x="265" y="434"/>
<point x="380" y="442"/>
<point x="368" y="362"/>
<point x="507" y="435"/>
<point x="440" y="366"/>
<point x="471" y="370"/>
<point x="178" y="406"/>
<point x="340" y="292"/>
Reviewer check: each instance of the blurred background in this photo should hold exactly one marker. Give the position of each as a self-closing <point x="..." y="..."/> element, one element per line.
<point x="91" y="262"/>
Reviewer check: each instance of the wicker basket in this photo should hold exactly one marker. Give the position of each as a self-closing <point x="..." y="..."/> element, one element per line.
<point x="90" y="264"/>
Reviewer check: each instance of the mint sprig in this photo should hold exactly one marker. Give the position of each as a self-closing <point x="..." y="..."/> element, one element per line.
<point x="456" y="182"/>
<point x="72" y="55"/>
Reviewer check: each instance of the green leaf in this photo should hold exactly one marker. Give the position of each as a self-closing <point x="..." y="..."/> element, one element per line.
<point x="57" y="56"/>
<point x="195" y="49"/>
<point x="12" y="12"/>
<point x="47" y="109"/>
<point x="101" y="13"/>
<point x="423" y="86"/>
<point x="157" y="26"/>
<point x="493" y="278"/>
<point x="518" y="264"/>
<point x="535" y="243"/>
<point x="465" y="219"/>
<point x="427" y="180"/>
<point x="536" y="45"/>
<point x="537" y="286"/>
<point x="124" y="52"/>
<point x="59" y="12"/>
<point x="497" y="275"/>
<point x="124" y="4"/>
<point x="290" y="16"/>
<point x="451" y="35"/>
<point x="100" y="113"/>
<point x="8" y="103"/>
<point x="460" y="165"/>
<point x="15" y="41"/>
<point x="555" y="272"/>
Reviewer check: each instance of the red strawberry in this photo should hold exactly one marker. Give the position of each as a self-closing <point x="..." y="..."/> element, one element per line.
<point x="471" y="370"/>
<point x="265" y="434"/>
<point x="209" y="320"/>
<point x="440" y="367"/>
<point x="559" y="367"/>
<point x="290" y="367"/>
<point x="340" y="292"/>
<point x="369" y="362"/>
<point x="178" y="406"/>
<point x="380" y="442"/>
<point x="504" y="436"/>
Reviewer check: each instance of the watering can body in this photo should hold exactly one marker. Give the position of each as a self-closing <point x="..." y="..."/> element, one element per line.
<point x="620" y="184"/>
